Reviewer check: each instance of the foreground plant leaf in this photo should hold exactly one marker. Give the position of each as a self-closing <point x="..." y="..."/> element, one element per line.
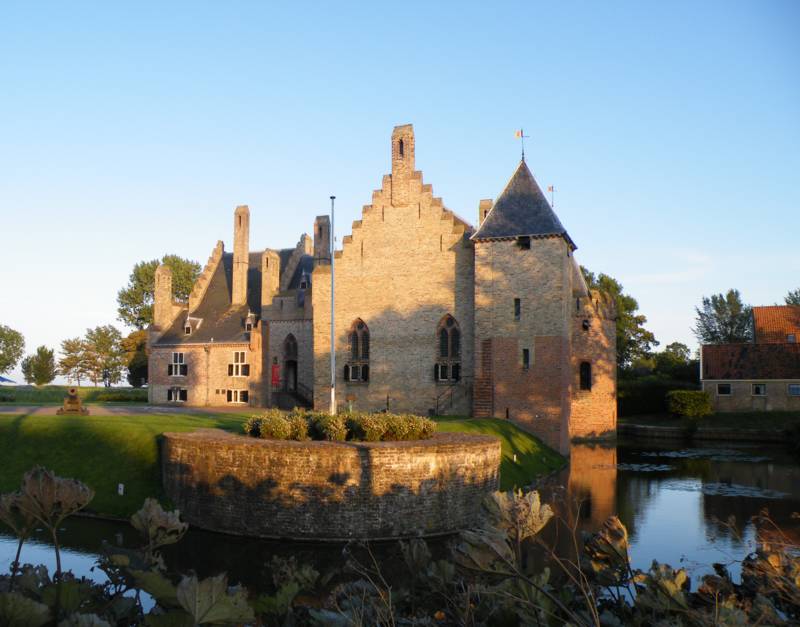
<point x="210" y="602"/>
<point x="84" y="620"/>
<point x="158" y="526"/>
<point x="663" y="590"/>
<point x="19" y="611"/>
<point x="49" y="498"/>
<point x="605" y="554"/>
<point x="522" y="515"/>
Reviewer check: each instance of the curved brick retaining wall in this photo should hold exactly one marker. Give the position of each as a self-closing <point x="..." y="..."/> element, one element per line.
<point x="329" y="490"/>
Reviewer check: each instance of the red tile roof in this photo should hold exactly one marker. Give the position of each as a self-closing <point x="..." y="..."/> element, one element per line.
<point x="773" y="324"/>
<point x="751" y="361"/>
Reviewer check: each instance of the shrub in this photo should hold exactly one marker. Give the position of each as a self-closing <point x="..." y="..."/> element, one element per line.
<point x="6" y="397"/>
<point x="646" y="395"/>
<point x="689" y="403"/>
<point x="252" y="427"/>
<point x="121" y="396"/>
<point x="325" y="427"/>
<point x="408" y="427"/>
<point x="274" y="426"/>
<point x="298" y="427"/>
<point x="368" y="427"/>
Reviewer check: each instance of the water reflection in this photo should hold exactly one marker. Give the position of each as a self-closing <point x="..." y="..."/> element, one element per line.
<point x="684" y="505"/>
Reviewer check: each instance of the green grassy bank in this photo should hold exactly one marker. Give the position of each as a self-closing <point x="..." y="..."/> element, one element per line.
<point x="103" y="451"/>
<point x="54" y="394"/>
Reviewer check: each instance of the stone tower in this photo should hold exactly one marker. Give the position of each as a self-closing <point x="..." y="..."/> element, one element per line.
<point x="162" y="297"/>
<point x="241" y="256"/>
<point x="322" y="240"/>
<point x="402" y="164"/>
<point x="523" y="291"/>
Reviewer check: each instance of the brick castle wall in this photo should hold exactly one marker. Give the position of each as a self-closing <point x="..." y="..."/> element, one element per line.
<point x="329" y="490"/>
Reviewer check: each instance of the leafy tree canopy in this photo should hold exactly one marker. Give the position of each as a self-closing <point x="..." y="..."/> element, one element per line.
<point x="633" y="340"/>
<point x="723" y="319"/>
<point x="135" y="300"/>
<point x="73" y="363"/>
<point x="793" y="297"/>
<point x="104" y="354"/>
<point x="39" y="368"/>
<point x="12" y="345"/>
<point x="135" y="348"/>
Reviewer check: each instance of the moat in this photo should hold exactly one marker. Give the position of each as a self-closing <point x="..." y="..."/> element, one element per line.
<point x="686" y="505"/>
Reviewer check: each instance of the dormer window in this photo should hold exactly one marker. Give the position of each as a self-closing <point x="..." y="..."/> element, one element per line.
<point x="187" y="330"/>
<point x="248" y="326"/>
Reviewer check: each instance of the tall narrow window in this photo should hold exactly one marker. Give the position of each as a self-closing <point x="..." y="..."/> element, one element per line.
<point x="447" y="368"/>
<point x="526" y="359"/>
<point x="400" y="147"/>
<point x="517" y="309"/>
<point x="586" y="375"/>
<point x="356" y="370"/>
<point x="178" y="367"/>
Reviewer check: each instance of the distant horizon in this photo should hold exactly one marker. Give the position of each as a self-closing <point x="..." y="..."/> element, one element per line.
<point x="670" y="133"/>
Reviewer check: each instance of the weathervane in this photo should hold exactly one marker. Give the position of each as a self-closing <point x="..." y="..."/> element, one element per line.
<point x="552" y="190"/>
<point x="520" y="134"/>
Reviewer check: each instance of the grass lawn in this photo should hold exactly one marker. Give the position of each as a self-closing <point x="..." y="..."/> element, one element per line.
<point x="54" y="394"/>
<point x="534" y="458"/>
<point x="778" y="420"/>
<point x="103" y="451"/>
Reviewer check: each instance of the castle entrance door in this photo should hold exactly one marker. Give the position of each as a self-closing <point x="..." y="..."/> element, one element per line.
<point x="290" y="375"/>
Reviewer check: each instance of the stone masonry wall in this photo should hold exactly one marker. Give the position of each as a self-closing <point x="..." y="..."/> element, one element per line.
<point x="405" y="266"/>
<point x="329" y="490"/>
<point x="537" y="398"/>
<point x="207" y="372"/>
<point x="594" y="412"/>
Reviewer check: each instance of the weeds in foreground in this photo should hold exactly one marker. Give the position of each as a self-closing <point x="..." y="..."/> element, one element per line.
<point x="487" y="578"/>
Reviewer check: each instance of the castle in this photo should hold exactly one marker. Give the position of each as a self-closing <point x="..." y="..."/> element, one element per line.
<point x="432" y="315"/>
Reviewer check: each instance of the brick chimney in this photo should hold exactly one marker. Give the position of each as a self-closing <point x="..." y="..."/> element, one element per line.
<point x="484" y="207"/>
<point x="162" y="297"/>
<point x="241" y="254"/>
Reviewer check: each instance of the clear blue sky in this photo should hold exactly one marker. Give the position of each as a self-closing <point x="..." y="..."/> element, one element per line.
<point x="671" y="131"/>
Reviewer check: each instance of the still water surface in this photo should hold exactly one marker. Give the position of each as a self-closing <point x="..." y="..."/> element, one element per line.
<point x="686" y="505"/>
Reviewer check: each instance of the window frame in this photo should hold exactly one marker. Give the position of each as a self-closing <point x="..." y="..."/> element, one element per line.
<point x="526" y="358"/>
<point x="239" y="368"/>
<point x="356" y="368"/>
<point x="791" y="338"/>
<point x="753" y="387"/>
<point x="517" y="309"/>
<point x="181" y="392"/>
<point x="237" y="397"/>
<point x="585" y="376"/>
<point x="729" y="392"/>
<point x="178" y="366"/>
<point x="789" y="387"/>
<point x="447" y="365"/>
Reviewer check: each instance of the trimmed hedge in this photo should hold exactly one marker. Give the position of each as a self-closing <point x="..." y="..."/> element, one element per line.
<point x="356" y="427"/>
<point x="689" y="403"/>
<point x="6" y="397"/>
<point x="121" y="396"/>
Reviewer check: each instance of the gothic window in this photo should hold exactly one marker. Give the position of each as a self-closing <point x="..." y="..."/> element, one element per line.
<point x="290" y="348"/>
<point x="356" y="370"/>
<point x="447" y="368"/>
<point x="586" y="375"/>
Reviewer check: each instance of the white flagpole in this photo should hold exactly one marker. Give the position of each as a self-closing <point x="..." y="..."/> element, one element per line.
<point x="333" y="326"/>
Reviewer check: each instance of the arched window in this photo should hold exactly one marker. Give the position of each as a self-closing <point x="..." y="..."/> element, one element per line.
<point x="290" y="348"/>
<point x="586" y="375"/>
<point x="356" y="370"/>
<point x="447" y="368"/>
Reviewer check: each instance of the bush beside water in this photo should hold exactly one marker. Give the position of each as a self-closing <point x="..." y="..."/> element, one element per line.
<point x="689" y="403"/>
<point x="302" y="425"/>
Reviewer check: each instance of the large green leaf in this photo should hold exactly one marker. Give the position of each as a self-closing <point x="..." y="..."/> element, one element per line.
<point x="210" y="602"/>
<point x="19" y="611"/>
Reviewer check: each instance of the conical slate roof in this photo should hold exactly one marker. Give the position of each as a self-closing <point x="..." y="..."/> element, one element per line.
<point x="521" y="210"/>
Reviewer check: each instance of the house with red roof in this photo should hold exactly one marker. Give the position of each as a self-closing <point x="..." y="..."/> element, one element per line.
<point x="762" y="375"/>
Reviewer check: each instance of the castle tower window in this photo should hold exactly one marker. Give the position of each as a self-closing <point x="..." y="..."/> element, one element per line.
<point x="526" y="359"/>
<point x="524" y="242"/>
<point x="178" y="366"/>
<point x="357" y="368"/>
<point x="447" y="368"/>
<point x="586" y="375"/>
<point x="585" y="325"/>
<point x="239" y="367"/>
<point x="401" y="148"/>
<point x="517" y="309"/>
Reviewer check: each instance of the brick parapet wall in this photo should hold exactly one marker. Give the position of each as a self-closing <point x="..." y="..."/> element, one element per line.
<point x="329" y="490"/>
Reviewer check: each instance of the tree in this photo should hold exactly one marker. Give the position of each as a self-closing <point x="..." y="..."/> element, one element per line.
<point x="675" y="362"/>
<point x="72" y="363"/>
<point x="135" y="347"/>
<point x="105" y="358"/>
<point x="12" y="346"/>
<point x="724" y="319"/>
<point x="135" y="300"/>
<point x="633" y="340"/>
<point x="39" y="368"/>
<point x="793" y="297"/>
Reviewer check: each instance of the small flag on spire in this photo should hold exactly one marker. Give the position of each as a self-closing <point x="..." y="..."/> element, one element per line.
<point x="518" y="134"/>
<point x="550" y="188"/>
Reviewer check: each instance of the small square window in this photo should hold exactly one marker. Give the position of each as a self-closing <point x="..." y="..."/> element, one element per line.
<point x="759" y="389"/>
<point x="793" y="389"/>
<point x="187" y="330"/>
<point x="791" y="338"/>
<point x="524" y="242"/>
<point x="723" y="389"/>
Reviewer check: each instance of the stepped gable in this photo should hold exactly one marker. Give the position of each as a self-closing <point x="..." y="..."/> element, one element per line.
<point x="522" y="210"/>
<point x="405" y="189"/>
<point x="216" y="320"/>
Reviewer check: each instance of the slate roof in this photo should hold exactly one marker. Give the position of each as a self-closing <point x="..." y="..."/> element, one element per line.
<point x="522" y="210"/>
<point x="773" y="324"/>
<point x="751" y="361"/>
